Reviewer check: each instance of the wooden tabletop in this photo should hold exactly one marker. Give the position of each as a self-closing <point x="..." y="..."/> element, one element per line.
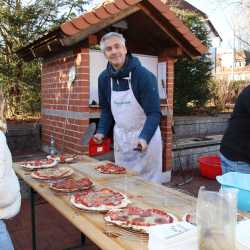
<point x="140" y="193"/>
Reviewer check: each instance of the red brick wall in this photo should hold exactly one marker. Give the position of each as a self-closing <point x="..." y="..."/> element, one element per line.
<point x="166" y="122"/>
<point x="55" y="97"/>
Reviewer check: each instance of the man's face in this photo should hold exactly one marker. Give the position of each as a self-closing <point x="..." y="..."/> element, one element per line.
<point x="115" y="52"/>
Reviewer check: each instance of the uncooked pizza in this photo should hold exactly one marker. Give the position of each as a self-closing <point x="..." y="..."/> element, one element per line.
<point x="63" y="158"/>
<point x="52" y="173"/>
<point x="111" y="168"/>
<point x="139" y="219"/>
<point x="71" y="185"/>
<point x="101" y="199"/>
<point x="37" y="164"/>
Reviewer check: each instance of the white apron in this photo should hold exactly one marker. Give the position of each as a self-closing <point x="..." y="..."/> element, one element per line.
<point x="129" y="121"/>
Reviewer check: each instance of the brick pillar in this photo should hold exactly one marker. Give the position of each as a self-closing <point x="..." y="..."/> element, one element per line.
<point x="166" y="121"/>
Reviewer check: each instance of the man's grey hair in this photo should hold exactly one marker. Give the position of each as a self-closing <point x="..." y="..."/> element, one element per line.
<point x="108" y="36"/>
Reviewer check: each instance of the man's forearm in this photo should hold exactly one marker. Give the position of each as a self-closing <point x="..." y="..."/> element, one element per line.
<point x="105" y="123"/>
<point x="150" y="126"/>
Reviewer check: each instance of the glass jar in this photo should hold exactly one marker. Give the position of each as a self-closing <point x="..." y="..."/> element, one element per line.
<point x="216" y="217"/>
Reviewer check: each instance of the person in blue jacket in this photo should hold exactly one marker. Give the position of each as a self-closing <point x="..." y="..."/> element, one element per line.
<point x="129" y="100"/>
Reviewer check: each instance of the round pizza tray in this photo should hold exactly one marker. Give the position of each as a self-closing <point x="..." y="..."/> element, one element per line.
<point x="124" y="203"/>
<point x="115" y="231"/>
<point x="130" y="227"/>
<point x="58" y="178"/>
<point x="107" y="172"/>
<point x="69" y="191"/>
<point x="33" y="168"/>
<point x="68" y="158"/>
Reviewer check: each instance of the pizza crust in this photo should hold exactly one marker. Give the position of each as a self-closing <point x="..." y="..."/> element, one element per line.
<point x="67" y="158"/>
<point x="64" y="189"/>
<point x="104" y="169"/>
<point x="29" y="166"/>
<point x="72" y="189"/>
<point x="66" y="170"/>
<point x="102" y="208"/>
<point x="127" y="225"/>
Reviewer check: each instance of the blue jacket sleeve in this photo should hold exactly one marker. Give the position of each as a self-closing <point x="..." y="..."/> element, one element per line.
<point x="150" y="102"/>
<point x="106" y="120"/>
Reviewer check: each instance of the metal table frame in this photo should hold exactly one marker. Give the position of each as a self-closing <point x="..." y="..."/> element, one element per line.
<point x="33" y="223"/>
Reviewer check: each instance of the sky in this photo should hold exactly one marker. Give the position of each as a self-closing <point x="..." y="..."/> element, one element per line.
<point x="223" y="18"/>
<point x="219" y="14"/>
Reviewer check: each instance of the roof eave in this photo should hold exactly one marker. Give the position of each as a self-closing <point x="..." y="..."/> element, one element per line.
<point x="78" y="29"/>
<point x="50" y="41"/>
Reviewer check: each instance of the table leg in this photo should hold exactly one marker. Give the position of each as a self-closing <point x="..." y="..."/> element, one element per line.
<point x="83" y="239"/>
<point x="33" y="217"/>
<point x="186" y="179"/>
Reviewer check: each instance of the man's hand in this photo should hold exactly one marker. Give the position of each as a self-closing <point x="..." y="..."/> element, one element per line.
<point x="98" y="138"/>
<point x="141" y="145"/>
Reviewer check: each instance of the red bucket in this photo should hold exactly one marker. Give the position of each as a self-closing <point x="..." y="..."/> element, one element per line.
<point x="210" y="166"/>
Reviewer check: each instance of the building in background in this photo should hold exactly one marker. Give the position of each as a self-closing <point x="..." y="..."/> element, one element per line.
<point x="184" y="5"/>
<point x="213" y="33"/>
<point x="233" y="65"/>
<point x="71" y="64"/>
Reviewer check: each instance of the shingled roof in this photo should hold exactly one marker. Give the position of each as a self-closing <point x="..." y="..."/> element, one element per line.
<point x="106" y="14"/>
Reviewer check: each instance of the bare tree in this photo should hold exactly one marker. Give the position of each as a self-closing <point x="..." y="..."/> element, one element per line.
<point x="239" y="21"/>
<point x="23" y="21"/>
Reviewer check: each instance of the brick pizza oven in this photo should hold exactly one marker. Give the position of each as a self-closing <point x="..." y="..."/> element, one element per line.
<point x="153" y="33"/>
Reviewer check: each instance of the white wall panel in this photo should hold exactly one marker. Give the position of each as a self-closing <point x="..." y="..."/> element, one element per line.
<point x="98" y="63"/>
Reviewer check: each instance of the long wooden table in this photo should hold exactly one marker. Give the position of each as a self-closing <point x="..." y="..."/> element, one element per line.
<point x="91" y="224"/>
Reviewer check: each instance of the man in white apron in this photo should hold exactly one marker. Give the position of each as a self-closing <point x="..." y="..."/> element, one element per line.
<point x="129" y="99"/>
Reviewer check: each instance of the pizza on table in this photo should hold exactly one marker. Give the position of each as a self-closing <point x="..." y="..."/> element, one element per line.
<point x="52" y="173"/>
<point x="71" y="185"/>
<point x="99" y="199"/>
<point x="139" y="219"/>
<point x="88" y="197"/>
<point x="64" y="158"/>
<point x="111" y="168"/>
<point x="37" y="164"/>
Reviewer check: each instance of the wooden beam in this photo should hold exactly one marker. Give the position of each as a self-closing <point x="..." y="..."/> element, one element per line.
<point x="69" y="41"/>
<point x="173" y="52"/>
<point x="163" y="28"/>
<point x="92" y="39"/>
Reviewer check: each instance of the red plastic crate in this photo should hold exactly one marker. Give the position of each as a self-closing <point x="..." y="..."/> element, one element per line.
<point x="99" y="149"/>
<point x="210" y="166"/>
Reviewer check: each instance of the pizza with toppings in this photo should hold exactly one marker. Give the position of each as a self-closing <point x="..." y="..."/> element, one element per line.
<point x="63" y="158"/>
<point x="52" y="173"/>
<point x="139" y="219"/>
<point x="37" y="164"/>
<point x="71" y="185"/>
<point x="101" y="199"/>
<point x="111" y="168"/>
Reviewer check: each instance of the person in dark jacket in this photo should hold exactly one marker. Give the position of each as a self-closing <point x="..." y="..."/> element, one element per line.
<point x="235" y="145"/>
<point x="129" y="100"/>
